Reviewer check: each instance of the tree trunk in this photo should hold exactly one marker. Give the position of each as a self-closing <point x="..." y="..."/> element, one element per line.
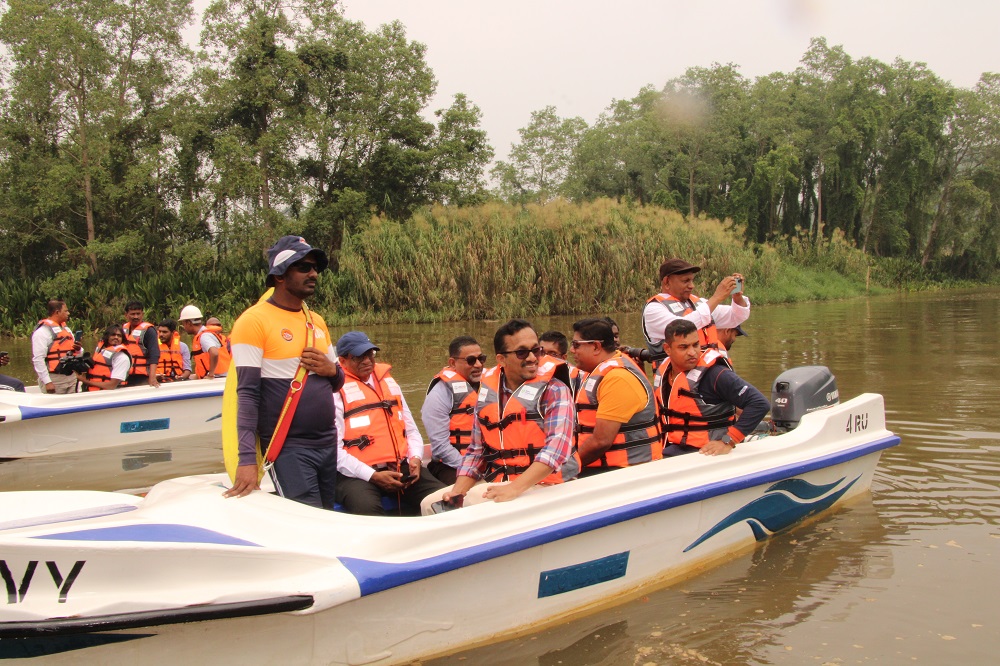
<point x="942" y="206"/>
<point x="819" y="202"/>
<point x="691" y="210"/>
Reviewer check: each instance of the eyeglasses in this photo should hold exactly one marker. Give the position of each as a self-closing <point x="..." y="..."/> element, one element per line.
<point x="575" y="344"/>
<point x="305" y="266"/>
<point x="471" y="360"/>
<point x="368" y="354"/>
<point x="523" y="353"/>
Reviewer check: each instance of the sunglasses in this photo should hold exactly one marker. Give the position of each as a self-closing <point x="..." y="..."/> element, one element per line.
<point x="471" y="360"/>
<point x="523" y="353"/>
<point x="305" y="266"/>
<point x="575" y="344"/>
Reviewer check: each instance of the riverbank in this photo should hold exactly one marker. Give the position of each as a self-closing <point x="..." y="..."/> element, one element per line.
<point x="490" y="262"/>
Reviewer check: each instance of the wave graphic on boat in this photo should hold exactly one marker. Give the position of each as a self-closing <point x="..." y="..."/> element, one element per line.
<point x="783" y="504"/>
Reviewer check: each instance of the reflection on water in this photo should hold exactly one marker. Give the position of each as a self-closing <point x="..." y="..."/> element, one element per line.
<point x="907" y="575"/>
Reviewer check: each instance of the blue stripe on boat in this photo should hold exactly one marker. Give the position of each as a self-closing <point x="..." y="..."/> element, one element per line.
<point x="585" y="574"/>
<point x="144" y="426"/>
<point x="154" y="533"/>
<point x="29" y="412"/>
<point x="373" y="576"/>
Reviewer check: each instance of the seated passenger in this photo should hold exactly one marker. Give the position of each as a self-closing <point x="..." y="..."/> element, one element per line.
<point x="616" y="412"/>
<point x="209" y="347"/>
<point x="175" y="357"/>
<point x="450" y="407"/>
<point x="702" y="394"/>
<point x="727" y="337"/>
<point x="8" y="383"/>
<point x="379" y="448"/>
<point x="524" y="424"/>
<point x="112" y="362"/>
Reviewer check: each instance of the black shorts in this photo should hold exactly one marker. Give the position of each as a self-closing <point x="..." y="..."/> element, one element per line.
<point x="307" y="475"/>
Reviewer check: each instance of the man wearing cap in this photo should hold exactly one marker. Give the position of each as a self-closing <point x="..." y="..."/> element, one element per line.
<point x="379" y="446"/>
<point x="727" y="338"/>
<point x="676" y="300"/>
<point x="449" y="408"/>
<point x="269" y="344"/>
<point x="211" y="358"/>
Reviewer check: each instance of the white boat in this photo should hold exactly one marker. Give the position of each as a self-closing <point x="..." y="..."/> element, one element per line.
<point x="38" y="424"/>
<point x="184" y="575"/>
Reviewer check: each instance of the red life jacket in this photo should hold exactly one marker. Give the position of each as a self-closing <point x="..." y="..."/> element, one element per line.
<point x="463" y="407"/>
<point x="374" y="431"/>
<point x="707" y="335"/>
<point x="171" y="363"/>
<point x="103" y="357"/>
<point x="62" y="343"/>
<point x="690" y="419"/>
<point x="202" y="358"/>
<point x="136" y="348"/>
<point x="512" y="439"/>
<point x="638" y="440"/>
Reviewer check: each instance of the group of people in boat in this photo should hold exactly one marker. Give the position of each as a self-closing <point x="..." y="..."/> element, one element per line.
<point x="332" y="427"/>
<point x="134" y="353"/>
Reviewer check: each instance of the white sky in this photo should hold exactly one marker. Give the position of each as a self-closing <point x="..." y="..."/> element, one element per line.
<point x="513" y="57"/>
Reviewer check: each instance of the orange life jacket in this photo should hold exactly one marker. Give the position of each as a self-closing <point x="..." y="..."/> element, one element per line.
<point x="463" y="407"/>
<point x="690" y="420"/>
<point x="136" y="348"/>
<point x="202" y="358"/>
<point x="707" y="335"/>
<point x="171" y="363"/>
<point x="512" y="439"/>
<point x="374" y="431"/>
<point x="102" y="358"/>
<point x="638" y="440"/>
<point x="62" y="343"/>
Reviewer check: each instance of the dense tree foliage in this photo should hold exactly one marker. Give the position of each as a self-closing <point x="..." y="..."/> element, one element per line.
<point x="899" y="162"/>
<point x="123" y="152"/>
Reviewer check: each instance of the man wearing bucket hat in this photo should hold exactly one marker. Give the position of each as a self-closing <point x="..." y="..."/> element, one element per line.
<point x="676" y="300"/>
<point x="271" y="341"/>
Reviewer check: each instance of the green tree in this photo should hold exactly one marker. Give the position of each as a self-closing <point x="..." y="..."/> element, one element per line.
<point x="539" y="162"/>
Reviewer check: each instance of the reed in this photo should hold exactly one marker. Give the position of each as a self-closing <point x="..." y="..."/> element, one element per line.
<point x="491" y="261"/>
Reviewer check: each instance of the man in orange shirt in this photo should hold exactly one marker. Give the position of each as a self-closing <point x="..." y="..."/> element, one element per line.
<point x="616" y="412"/>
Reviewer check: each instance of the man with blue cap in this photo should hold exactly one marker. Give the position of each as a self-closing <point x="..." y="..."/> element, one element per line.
<point x="285" y="362"/>
<point x="380" y="447"/>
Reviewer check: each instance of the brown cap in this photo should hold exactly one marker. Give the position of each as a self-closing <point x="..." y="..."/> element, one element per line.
<point x="674" y="266"/>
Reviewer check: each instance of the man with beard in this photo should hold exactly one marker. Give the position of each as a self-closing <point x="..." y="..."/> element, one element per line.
<point x="270" y="342"/>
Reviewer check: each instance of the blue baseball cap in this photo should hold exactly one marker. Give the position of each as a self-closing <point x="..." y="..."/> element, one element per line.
<point x="740" y="331"/>
<point x="355" y="343"/>
<point x="287" y="251"/>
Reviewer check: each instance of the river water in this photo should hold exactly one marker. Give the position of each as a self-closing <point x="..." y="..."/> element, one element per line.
<point x="907" y="575"/>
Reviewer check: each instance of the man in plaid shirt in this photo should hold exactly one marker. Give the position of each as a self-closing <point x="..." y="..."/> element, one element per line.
<point x="524" y="430"/>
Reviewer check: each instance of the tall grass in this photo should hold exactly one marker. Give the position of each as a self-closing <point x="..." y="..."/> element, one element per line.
<point x="487" y="262"/>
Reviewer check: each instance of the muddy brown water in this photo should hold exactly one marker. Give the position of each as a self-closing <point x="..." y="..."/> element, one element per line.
<point x="907" y="575"/>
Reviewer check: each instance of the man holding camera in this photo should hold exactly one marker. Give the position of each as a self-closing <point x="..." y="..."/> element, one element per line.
<point x="51" y="341"/>
<point x="676" y="300"/>
<point x="379" y="448"/>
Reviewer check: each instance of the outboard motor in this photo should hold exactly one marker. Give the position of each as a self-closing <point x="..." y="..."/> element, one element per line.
<point x="799" y="391"/>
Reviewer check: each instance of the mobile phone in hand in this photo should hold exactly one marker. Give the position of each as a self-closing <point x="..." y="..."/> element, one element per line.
<point x="404" y="469"/>
<point x="739" y="286"/>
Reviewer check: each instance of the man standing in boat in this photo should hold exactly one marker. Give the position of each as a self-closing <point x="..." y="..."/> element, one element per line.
<point x="702" y="394"/>
<point x="380" y="448"/>
<point x="615" y="409"/>
<point x="143" y="345"/>
<point x="50" y="342"/>
<point x="676" y="300"/>
<point x="450" y="407"/>
<point x="270" y="352"/>
<point x="524" y="426"/>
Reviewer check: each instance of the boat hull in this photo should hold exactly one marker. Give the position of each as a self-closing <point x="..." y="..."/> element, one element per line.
<point x="34" y="424"/>
<point x="394" y="590"/>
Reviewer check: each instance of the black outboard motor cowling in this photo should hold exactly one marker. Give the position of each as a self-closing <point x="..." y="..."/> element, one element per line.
<point x="799" y="391"/>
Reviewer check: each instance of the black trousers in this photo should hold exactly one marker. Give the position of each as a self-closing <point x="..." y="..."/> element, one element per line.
<point x="364" y="498"/>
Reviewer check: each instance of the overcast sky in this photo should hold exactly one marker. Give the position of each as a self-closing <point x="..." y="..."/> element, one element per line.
<point x="516" y="56"/>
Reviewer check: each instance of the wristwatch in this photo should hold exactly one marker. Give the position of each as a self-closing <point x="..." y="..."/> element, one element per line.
<point x="727" y="439"/>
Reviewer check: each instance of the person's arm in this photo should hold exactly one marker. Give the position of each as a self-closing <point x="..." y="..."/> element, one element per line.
<point x="731" y="316"/>
<point x="655" y="317"/>
<point x="185" y="362"/>
<point x="414" y="442"/>
<point x="152" y="344"/>
<point x="724" y="385"/>
<point x="41" y="339"/>
<point x="248" y="357"/>
<point x="436" y="415"/>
